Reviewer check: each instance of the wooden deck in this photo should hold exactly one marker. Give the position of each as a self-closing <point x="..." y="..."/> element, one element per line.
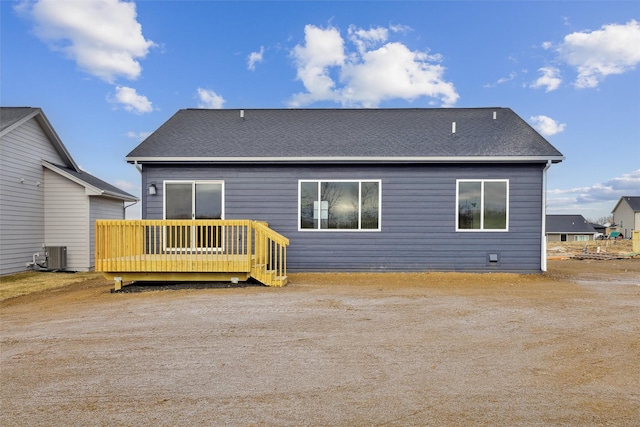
<point x="202" y="250"/>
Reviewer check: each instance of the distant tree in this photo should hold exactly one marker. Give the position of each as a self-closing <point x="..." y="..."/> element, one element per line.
<point x="602" y="220"/>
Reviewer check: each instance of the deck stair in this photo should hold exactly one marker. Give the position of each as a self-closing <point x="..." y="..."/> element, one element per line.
<point x="190" y="250"/>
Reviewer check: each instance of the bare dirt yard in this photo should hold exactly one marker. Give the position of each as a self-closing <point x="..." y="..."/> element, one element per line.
<point x="387" y="349"/>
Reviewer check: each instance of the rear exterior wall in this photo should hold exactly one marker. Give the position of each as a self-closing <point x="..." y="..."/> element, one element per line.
<point x="418" y="215"/>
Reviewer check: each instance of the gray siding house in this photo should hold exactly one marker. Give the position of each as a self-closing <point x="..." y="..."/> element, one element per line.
<point x="569" y="228"/>
<point x="361" y="189"/>
<point x="45" y="199"/>
<point x="626" y="216"/>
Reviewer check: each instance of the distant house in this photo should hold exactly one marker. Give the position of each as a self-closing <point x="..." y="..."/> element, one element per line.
<point x="569" y="228"/>
<point x="45" y="199"/>
<point x="360" y="189"/>
<point x="626" y="216"/>
<point x="601" y="230"/>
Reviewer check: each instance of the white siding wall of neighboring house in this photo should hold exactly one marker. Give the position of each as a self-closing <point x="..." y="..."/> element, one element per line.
<point x="102" y="208"/>
<point x="67" y="219"/>
<point x="22" y="203"/>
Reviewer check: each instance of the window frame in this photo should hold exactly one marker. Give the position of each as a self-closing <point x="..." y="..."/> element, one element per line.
<point x="193" y="183"/>
<point x="333" y="230"/>
<point x="193" y="246"/>
<point x="482" y="204"/>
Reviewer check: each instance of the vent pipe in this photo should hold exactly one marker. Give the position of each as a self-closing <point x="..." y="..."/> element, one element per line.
<point x="495" y="115"/>
<point x="242" y="114"/>
<point x="453" y="127"/>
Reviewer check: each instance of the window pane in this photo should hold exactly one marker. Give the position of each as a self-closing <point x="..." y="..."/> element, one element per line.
<point x="341" y="201"/>
<point x="469" y="205"/>
<point x="178" y="201"/>
<point x="209" y="201"/>
<point x="308" y="200"/>
<point x="495" y="205"/>
<point x="369" y="205"/>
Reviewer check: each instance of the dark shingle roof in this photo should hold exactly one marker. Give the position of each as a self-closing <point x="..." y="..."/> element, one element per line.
<point x="367" y="134"/>
<point x="632" y="201"/>
<point x="568" y="224"/>
<point x="12" y="115"/>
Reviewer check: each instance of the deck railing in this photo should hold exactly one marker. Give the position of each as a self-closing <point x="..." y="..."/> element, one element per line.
<point x="165" y="249"/>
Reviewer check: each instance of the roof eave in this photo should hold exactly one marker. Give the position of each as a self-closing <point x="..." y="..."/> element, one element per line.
<point x="351" y="160"/>
<point x="91" y="190"/>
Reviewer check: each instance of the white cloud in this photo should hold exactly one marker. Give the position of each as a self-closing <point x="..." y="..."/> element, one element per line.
<point x="550" y="79"/>
<point x="323" y="49"/>
<point x="375" y="71"/>
<point x="130" y="100"/>
<point x="364" y="39"/>
<point x="399" y="28"/>
<point x="254" y="58"/>
<point x="512" y="75"/>
<point x="546" y="125"/>
<point x="138" y="135"/>
<point x="209" y="99"/>
<point x="547" y="45"/>
<point x="596" y="200"/>
<point x="613" y="49"/>
<point x="125" y="185"/>
<point x="102" y="36"/>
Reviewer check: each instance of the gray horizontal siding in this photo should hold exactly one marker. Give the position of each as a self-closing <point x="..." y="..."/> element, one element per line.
<point x="22" y="231"/>
<point x="67" y="219"/>
<point x="418" y="215"/>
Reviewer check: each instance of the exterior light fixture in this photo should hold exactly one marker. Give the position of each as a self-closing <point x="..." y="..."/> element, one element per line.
<point x="152" y="190"/>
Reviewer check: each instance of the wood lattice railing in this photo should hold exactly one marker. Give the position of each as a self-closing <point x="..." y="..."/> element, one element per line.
<point x="190" y="250"/>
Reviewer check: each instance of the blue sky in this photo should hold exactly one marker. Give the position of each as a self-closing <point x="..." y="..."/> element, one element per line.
<point x="108" y="72"/>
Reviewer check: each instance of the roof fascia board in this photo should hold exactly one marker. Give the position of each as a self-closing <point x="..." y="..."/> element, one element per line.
<point x="42" y="120"/>
<point x="449" y="159"/>
<point x="90" y="190"/>
<point x="59" y="146"/>
<point x="617" y="204"/>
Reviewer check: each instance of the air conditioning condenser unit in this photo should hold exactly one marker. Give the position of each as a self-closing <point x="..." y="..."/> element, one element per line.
<point x="56" y="257"/>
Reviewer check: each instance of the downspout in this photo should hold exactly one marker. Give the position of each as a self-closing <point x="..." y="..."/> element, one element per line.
<point x="543" y="246"/>
<point x="135" y="163"/>
<point x="128" y="206"/>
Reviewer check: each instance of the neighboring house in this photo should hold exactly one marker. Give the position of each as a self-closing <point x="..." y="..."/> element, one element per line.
<point x="569" y="228"/>
<point x="361" y="189"/>
<point x="626" y="216"/>
<point x="601" y="230"/>
<point x="45" y="199"/>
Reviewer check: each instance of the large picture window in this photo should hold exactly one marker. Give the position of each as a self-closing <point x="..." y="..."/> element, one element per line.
<point x="339" y="205"/>
<point x="482" y="205"/>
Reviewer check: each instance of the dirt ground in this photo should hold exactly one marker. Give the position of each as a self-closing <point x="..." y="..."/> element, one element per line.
<point x="387" y="349"/>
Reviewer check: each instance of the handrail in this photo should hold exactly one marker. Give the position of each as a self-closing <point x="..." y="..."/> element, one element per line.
<point x="273" y="235"/>
<point x="270" y="261"/>
<point x="190" y="246"/>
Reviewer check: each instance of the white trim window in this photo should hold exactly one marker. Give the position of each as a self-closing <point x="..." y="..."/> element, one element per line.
<point x="339" y="205"/>
<point x="193" y="200"/>
<point x="482" y="205"/>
